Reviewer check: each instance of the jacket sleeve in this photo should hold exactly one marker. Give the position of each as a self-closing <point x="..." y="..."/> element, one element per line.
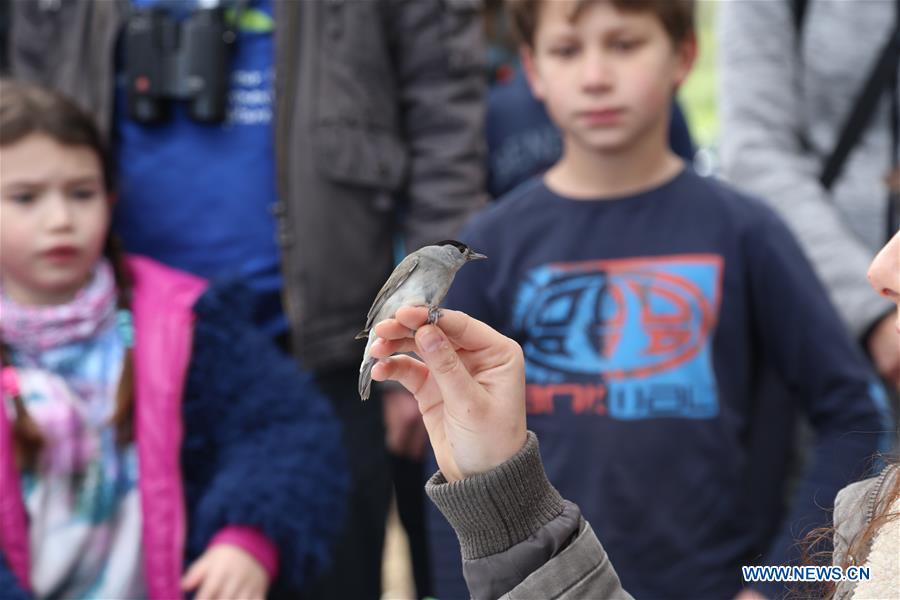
<point x="262" y="448"/>
<point x="761" y="150"/>
<point x="519" y="538"/>
<point x="9" y="583"/>
<point x="438" y="52"/>
<point x="801" y="335"/>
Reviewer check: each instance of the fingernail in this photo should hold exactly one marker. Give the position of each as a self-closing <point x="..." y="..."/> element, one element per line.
<point x="431" y="340"/>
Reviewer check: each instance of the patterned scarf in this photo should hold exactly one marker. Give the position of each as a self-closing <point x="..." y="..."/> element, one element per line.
<point x="33" y="329"/>
<point x="82" y="501"/>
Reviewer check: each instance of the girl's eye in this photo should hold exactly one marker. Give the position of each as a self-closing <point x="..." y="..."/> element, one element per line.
<point x="23" y="197"/>
<point x="84" y="193"/>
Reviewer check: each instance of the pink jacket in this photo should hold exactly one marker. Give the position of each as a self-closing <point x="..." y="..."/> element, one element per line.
<point x="162" y="307"/>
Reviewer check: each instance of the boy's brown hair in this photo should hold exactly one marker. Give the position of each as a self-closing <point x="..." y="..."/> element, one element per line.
<point x="676" y="16"/>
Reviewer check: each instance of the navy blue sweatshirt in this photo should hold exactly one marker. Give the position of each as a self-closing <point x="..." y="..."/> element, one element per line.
<point x="645" y="321"/>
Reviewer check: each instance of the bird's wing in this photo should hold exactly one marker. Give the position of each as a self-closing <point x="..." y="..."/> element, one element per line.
<point x="401" y="274"/>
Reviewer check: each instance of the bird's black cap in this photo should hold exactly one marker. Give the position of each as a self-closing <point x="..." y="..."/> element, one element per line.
<point x="458" y="245"/>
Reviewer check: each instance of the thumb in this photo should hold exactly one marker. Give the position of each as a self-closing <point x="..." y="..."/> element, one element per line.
<point x="195" y="574"/>
<point x="444" y="364"/>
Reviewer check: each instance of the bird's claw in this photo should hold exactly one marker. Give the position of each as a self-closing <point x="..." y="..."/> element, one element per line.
<point x="434" y="313"/>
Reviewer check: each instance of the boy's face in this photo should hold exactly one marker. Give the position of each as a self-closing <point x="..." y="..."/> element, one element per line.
<point x="55" y="217"/>
<point x="607" y="78"/>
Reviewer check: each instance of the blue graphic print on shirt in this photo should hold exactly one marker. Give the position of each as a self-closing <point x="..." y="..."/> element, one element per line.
<point x="628" y="338"/>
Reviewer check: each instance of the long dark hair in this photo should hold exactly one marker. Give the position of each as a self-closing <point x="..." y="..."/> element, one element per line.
<point x="26" y="109"/>
<point x="817" y="546"/>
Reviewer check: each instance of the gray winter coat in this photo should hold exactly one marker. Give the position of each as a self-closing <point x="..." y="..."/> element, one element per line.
<point x="520" y="539"/>
<point x="377" y="103"/>
<point x="776" y="92"/>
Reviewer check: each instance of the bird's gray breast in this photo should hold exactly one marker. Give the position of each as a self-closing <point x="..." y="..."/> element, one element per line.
<point x="427" y="285"/>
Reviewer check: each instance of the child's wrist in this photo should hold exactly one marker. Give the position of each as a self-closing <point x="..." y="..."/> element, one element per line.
<point x="252" y="541"/>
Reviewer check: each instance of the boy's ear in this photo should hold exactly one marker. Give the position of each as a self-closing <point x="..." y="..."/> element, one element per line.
<point x="526" y="55"/>
<point x="686" y="54"/>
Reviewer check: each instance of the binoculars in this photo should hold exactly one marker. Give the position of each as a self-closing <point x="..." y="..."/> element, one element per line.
<point x="185" y="60"/>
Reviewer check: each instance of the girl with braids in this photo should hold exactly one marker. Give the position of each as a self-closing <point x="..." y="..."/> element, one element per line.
<point x="152" y="444"/>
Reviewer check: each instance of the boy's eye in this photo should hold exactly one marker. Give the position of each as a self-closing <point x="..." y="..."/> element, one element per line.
<point x="566" y="51"/>
<point x="626" y="45"/>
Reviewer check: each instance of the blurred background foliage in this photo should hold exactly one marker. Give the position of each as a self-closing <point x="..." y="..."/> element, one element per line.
<point x="698" y="94"/>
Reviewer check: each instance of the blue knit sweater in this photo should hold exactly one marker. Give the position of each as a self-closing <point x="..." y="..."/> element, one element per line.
<point x="262" y="447"/>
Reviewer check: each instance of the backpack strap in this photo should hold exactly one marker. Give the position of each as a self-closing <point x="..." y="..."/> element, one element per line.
<point x="798" y="10"/>
<point x="883" y="72"/>
<point x="882" y="75"/>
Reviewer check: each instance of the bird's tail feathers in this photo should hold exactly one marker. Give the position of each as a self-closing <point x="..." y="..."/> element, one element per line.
<point x="365" y="378"/>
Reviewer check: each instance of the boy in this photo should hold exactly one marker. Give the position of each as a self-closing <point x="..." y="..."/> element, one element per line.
<point x="646" y="298"/>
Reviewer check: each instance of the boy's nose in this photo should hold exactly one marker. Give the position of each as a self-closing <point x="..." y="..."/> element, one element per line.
<point x="596" y="73"/>
<point x="884" y="272"/>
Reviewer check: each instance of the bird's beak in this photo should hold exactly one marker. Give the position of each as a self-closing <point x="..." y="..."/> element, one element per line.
<point x="470" y="256"/>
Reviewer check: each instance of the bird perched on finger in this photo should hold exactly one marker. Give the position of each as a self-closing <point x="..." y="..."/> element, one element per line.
<point x="421" y="279"/>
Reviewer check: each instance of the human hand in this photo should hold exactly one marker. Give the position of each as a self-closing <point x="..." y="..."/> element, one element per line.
<point x="470" y="387"/>
<point x="404" y="431"/>
<point x="884" y="348"/>
<point x="226" y="571"/>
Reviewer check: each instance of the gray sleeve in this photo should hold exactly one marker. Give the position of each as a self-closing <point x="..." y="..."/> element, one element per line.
<point x="519" y="537"/>
<point x="439" y="53"/>
<point x="762" y="119"/>
<point x="581" y="570"/>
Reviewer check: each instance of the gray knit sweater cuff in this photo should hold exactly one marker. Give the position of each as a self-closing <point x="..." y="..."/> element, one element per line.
<point x="495" y="510"/>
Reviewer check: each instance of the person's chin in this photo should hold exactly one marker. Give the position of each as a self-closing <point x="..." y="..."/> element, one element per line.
<point x="65" y="282"/>
<point x="605" y="142"/>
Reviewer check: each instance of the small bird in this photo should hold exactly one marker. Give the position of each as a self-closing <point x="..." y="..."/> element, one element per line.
<point x="421" y="279"/>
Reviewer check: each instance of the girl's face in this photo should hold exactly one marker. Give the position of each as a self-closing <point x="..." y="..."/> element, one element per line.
<point x="55" y="216"/>
<point x="884" y="274"/>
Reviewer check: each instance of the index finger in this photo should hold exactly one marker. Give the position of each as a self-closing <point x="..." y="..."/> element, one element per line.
<point x="461" y="329"/>
<point x="391" y="329"/>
